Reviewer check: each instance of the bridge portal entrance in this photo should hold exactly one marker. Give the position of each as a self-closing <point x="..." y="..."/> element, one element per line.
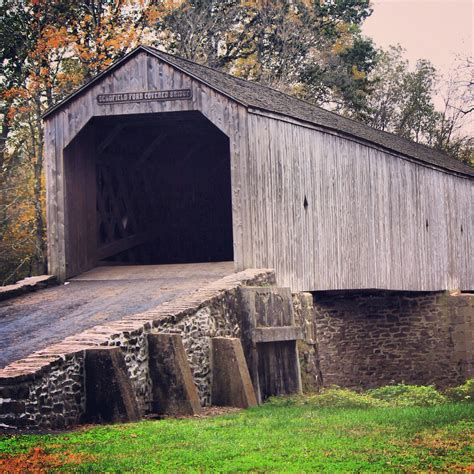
<point x="148" y="189"/>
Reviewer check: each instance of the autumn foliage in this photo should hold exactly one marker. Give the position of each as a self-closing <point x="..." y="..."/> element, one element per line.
<point x="49" y="47"/>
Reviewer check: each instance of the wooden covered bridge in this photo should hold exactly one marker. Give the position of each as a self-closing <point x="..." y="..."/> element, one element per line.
<point x="254" y="198"/>
<point x="162" y="160"/>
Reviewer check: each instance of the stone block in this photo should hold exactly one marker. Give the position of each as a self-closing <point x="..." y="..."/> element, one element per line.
<point x="109" y="393"/>
<point x="268" y="306"/>
<point x="14" y="407"/>
<point x="16" y="391"/>
<point x="173" y="388"/>
<point x="231" y="383"/>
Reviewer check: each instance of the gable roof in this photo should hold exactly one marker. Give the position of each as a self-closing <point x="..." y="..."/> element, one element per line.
<point x="254" y="95"/>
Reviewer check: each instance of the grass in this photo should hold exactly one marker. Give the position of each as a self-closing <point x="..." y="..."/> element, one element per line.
<point x="272" y="438"/>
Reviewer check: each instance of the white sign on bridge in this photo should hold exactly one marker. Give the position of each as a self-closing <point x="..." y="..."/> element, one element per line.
<point x="148" y="96"/>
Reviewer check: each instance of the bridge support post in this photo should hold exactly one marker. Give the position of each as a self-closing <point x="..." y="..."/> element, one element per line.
<point x="174" y="391"/>
<point x="231" y="383"/>
<point x="109" y="393"/>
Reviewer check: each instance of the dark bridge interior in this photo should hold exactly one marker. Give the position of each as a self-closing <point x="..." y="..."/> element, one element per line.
<point x="163" y="189"/>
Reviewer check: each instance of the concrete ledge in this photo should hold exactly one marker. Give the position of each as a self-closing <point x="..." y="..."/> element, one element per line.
<point x="282" y="333"/>
<point x="26" y="285"/>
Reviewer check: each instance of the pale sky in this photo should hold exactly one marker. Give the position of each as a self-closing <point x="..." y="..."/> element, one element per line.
<point x="437" y="30"/>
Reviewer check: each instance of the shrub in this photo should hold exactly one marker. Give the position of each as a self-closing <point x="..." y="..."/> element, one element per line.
<point x="408" y="395"/>
<point x="344" y="398"/>
<point x="463" y="393"/>
<point x="330" y="398"/>
<point x="400" y="395"/>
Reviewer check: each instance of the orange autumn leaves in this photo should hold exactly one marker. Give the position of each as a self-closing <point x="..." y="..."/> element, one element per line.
<point x="66" y="54"/>
<point x="66" y="43"/>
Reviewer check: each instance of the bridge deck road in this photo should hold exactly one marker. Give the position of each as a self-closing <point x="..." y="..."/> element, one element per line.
<point x="33" y="321"/>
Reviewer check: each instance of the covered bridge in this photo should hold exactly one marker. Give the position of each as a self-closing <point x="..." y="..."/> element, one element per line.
<point x="162" y="160"/>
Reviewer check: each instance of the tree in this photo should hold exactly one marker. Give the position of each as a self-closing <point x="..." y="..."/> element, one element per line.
<point x="385" y="98"/>
<point x="417" y="116"/>
<point x="451" y="133"/>
<point x="26" y="80"/>
<point x="49" y="47"/>
<point x="309" y="48"/>
<point x="401" y="102"/>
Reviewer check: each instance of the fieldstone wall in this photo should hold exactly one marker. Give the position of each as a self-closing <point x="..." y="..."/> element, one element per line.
<point x="371" y="339"/>
<point x="51" y="398"/>
<point x="217" y="318"/>
<point x="46" y="389"/>
<point x="356" y="340"/>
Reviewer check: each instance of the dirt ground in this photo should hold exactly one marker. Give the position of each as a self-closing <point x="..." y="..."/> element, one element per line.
<point x="31" y="322"/>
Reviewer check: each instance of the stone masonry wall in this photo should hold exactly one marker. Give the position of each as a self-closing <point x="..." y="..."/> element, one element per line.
<point x="356" y="340"/>
<point x="46" y="389"/>
<point x="215" y="319"/>
<point x="52" y="397"/>
<point x="367" y="340"/>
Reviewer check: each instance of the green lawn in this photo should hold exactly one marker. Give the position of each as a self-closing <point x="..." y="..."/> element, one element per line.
<point x="265" y="439"/>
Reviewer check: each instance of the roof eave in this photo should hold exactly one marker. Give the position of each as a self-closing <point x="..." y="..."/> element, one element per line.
<point x="162" y="57"/>
<point x="55" y="108"/>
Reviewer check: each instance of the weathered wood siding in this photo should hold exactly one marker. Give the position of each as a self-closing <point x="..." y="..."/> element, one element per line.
<point x="80" y="203"/>
<point x="326" y="212"/>
<point x="372" y="220"/>
<point x="141" y="72"/>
